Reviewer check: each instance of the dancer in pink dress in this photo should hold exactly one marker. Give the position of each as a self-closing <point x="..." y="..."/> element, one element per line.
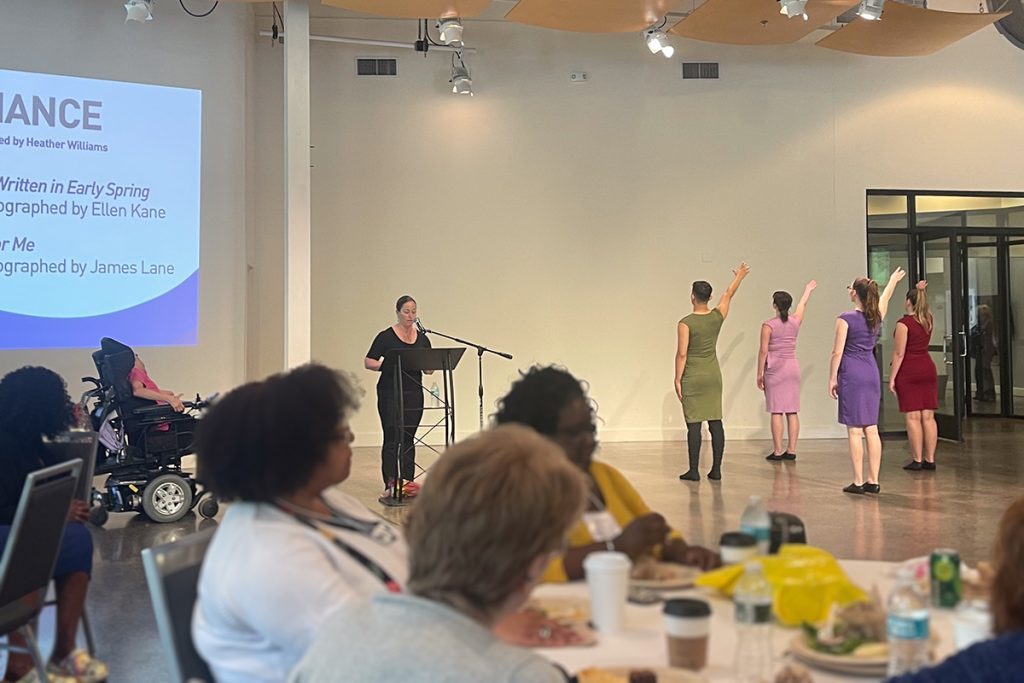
<point x="778" y="370"/>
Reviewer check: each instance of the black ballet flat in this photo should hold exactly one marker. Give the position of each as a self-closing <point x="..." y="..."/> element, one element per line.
<point x="853" y="488"/>
<point x="930" y="466"/>
<point x="692" y="475"/>
<point x="872" y="488"/>
<point x="789" y="456"/>
<point x="914" y="466"/>
<point x="774" y="458"/>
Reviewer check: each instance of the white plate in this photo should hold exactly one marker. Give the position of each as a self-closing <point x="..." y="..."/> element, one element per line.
<point x="846" y="664"/>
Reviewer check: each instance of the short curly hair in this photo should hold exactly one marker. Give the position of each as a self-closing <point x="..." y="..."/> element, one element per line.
<point x="538" y="397"/>
<point x="265" y="439"/>
<point x="34" y="402"/>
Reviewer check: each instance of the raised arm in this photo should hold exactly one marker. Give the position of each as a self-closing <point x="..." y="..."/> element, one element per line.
<point x="802" y="305"/>
<point x="837" y="356"/>
<point x="898" y="351"/>
<point x="890" y="288"/>
<point x="762" y="355"/>
<point x="682" y="342"/>
<point x="737" y="277"/>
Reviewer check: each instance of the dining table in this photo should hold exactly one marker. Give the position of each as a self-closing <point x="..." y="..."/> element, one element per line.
<point x="641" y="643"/>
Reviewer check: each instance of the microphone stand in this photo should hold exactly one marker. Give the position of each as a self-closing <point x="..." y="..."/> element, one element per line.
<point x="480" y="351"/>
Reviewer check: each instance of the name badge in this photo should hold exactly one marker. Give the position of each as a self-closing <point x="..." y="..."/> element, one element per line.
<point x="602" y="526"/>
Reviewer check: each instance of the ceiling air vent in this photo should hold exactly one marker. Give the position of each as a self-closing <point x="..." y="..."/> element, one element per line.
<point x="700" y="70"/>
<point x="377" y="67"/>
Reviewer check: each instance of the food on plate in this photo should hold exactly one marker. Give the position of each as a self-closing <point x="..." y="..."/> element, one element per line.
<point x="794" y="673"/>
<point x="596" y="675"/>
<point x="562" y="610"/>
<point x="649" y="569"/>
<point x="857" y="629"/>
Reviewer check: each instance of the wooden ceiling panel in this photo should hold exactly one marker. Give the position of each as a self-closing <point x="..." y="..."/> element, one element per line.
<point x="905" y="31"/>
<point x="756" y="22"/>
<point x="590" y="16"/>
<point x="414" y="9"/>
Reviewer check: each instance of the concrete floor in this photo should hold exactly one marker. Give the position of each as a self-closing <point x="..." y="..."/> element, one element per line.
<point x="957" y="506"/>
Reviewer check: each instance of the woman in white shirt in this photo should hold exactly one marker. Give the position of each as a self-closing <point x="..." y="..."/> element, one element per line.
<point x="292" y="549"/>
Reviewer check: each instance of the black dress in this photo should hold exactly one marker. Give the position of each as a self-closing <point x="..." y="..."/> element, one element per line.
<point x="387" y="406"/>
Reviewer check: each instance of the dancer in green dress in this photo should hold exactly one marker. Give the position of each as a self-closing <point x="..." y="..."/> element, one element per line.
<point x="698" y="377"/>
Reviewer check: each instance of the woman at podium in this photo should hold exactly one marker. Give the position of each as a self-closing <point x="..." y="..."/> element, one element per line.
<point x="402" y="335"/>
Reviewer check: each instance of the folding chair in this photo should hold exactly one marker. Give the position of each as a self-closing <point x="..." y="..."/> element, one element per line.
<point x="172" y="573"/>
<point x="31" y="552"/>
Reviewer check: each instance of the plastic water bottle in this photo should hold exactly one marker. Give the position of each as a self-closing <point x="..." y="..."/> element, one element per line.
<point x="756" y="522"/>
<point x="754" y="660"/>
<point x="907" y="626"/>
<point x="436" y="393"/>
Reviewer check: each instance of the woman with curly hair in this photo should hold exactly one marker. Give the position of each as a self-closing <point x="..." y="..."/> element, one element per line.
<point x="34" y="403"/>
<point x="997" y="660"/>
<point x="555" y="404"/>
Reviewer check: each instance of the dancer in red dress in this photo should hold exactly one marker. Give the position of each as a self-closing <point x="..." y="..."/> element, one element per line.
<point x="913" y="379"/>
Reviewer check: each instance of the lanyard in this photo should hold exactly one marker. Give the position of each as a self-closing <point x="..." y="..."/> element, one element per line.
<point x="377" y="531"/>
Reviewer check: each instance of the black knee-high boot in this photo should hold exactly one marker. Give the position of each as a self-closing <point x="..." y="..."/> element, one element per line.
<point x="717" y="448"/>
<point x="693" y="451"/>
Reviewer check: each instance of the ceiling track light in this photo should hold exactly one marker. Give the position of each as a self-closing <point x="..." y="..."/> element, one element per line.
<point x="793" y="8"/>
<point x="450" y="31"/>
<point x="657" y="41"/>
<point x="462" y="83"/>
<point x="138" y="10"/>
<point x="871" y="10"/>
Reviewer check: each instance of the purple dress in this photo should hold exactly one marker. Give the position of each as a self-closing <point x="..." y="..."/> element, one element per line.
<point x="781" y="368"/>
<point x="860" y="387"/>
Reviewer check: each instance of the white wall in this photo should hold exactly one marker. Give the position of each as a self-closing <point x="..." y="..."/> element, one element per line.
<point x="564" y="222"/>
<point x="89" y="38"/>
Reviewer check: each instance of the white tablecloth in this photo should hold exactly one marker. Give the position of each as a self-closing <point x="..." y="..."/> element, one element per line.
<point x="642" y="643"/>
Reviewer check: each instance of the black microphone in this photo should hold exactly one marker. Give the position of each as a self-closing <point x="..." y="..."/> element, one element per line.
<point x="419" y="326"/>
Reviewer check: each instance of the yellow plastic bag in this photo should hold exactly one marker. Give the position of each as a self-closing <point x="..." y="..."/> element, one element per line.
<point x="806" y="582"/>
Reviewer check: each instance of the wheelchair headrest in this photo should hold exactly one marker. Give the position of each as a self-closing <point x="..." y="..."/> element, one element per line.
<point x="114" y="361"/>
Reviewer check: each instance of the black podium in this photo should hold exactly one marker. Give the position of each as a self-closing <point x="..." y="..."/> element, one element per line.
<point x="402" y="363"/>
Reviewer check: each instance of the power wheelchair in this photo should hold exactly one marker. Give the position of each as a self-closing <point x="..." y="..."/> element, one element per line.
<point x="141" y="444"/>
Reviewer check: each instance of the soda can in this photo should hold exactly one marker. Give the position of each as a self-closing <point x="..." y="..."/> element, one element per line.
<point x="947" y="587"/>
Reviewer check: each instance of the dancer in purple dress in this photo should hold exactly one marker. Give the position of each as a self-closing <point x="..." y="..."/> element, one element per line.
<point x="778" y="370"/>
<point x="854" y="377"/>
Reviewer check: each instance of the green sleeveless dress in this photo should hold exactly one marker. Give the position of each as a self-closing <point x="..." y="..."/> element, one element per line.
<point x="702" y="377"/>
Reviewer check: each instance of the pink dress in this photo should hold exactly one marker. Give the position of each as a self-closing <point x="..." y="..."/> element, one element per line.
<point x="782" y="369"/>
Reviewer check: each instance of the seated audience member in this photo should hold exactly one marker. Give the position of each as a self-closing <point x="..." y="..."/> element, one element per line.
<point x="34" y="403"/>
<point x="492" y="513"/>
<point x="292" y="549"/>
<point x="1000" y="659"/>
<point x="555" y="404"/>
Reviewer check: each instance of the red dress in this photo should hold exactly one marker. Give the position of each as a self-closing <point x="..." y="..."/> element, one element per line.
<point x="916" y="383"/>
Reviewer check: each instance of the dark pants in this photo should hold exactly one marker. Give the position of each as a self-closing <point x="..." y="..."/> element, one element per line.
<point x="984" y="379"/>
<point x="399" y="446"/>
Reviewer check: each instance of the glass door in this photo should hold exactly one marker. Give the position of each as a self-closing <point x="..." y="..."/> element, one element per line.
<point x="1015" y="323"/>
<point x="985" y="323"/>
<point x="940" y="266"/>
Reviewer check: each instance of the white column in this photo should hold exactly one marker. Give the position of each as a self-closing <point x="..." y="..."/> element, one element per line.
<point x="297" y="304"/>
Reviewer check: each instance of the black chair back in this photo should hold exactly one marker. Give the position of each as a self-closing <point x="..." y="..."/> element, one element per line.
<point x="30" y="555"/>
<point x="172" y="573"/>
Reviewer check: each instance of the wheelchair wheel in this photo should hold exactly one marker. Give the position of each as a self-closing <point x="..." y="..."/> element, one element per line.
<point x="98" y="515"/>
<point x="167" y="498"/>
<point x="209" y="508"/>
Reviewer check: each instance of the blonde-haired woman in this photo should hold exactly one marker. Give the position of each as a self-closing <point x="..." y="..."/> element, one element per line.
<point x="494" y="512"/>
<point x="913" y="379"/>
<point x="853" y="376"/>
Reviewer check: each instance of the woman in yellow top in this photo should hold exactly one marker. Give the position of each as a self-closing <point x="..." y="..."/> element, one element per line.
<point x="556" y="405"/>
